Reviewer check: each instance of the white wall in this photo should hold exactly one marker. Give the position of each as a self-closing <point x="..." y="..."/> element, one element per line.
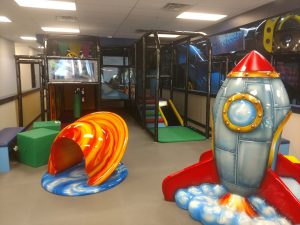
<point x="291" y="131"/>
<point x="25" y="69"/>
<point x="25" y="73"/>
<point x="197" y="108"/>
<point x="31" y="103"/>
<point x="31" y="107"/>
<point x="22" y="49"/>
<point x="8" y="115"/>
<point x="8" y="84"/>
<point x="178" y="100"/>
<point x="165" y="93"/>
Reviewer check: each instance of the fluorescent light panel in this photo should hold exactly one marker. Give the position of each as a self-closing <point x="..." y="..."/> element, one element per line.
<point x="4" y="19"/>
<point x="200" y="16"/>
<point x="28" y="38"/>
<point x="60" y="29"/>
<point x="165" y="35"/>
<point x="45" y="4"/>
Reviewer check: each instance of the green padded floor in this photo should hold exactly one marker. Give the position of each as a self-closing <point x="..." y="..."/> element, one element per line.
<point x="178" y="134"/>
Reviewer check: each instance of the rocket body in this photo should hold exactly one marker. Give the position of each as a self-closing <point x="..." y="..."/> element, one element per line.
<point x="248" y="110"/>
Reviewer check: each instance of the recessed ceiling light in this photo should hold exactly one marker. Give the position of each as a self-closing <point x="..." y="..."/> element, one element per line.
<point x="60" y="29"/>
<point x="4" y="19"/>
<point x="165" y="35"/>
<point x="200" y="16"/>
<point x="47" y="4"/>
<point x="28" y="38"/>
<point x="41" y="47"/>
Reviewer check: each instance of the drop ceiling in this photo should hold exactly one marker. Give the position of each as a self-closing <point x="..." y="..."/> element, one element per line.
<point x="116" y="18"/>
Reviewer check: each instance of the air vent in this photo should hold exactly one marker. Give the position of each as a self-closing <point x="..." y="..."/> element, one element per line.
<point x="70" y="19"/>
<point x="175" y="7"/>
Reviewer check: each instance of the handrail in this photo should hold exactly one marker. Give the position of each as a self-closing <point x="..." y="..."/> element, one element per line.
<point x="31" y="91"/>
<point x="163" y="116"/>
<point x="14" y="97"/>
<point x="8" y="99"/>
<point x="176" y="112"/>
<point x="70" y="58"/>
<point x="157" y="43"/>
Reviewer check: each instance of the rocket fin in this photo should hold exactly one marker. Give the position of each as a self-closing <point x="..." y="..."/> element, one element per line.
<point x="286" y="168"/>
<point x="275" y="192"/>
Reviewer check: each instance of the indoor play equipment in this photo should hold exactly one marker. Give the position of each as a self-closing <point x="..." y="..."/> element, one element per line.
<point x="167" y="114"/>
<point x="157" y="62"/>
<point x="170" y="113"/>
<point x="72" y="63"/>
<point x="116" y="73"/>
<point x="276" y="35"/>
<point x="99" y="140"/>
<point x="170" y="123"/>
<point x="251" y="109"/>
<point x="35" y="63"/>
<point x="287" y="34"/>
<point x="77" y="103"/>
<point x="150" y="114"/>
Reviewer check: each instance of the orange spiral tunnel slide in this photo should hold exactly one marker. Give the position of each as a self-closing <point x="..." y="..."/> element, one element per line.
<point x="100" y="139"/>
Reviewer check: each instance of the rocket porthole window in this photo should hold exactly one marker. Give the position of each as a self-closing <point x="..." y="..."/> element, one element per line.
<point x="242" y="112"/>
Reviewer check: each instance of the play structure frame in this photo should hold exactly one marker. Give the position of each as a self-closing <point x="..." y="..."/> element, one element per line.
<point x="128" y="52"/>
<point x="48" y="56"/>
<point x="142" y="45"/>
<point x="30" y="60"/>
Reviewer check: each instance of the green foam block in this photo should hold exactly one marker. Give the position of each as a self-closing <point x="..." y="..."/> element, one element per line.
<point x="34" y="146"/>
<point x="53" y="125"/>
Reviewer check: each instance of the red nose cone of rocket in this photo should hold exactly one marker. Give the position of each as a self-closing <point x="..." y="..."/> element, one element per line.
<point x="253" y="62"/>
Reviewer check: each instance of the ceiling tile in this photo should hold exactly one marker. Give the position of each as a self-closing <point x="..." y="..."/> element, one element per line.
<point x="118" y="18"/>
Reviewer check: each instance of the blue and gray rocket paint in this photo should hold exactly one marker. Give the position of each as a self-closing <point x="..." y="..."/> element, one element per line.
<point x="242" y="158"/>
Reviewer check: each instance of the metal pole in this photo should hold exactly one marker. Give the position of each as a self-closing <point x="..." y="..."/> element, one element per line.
<point x="99" y="88"/>
<point x="208" y="91"/>
<point x="186" y="91"/>
<point x="272" y="60"/>
<point x="227" y="66"/>
<point x="144" y="82"/>
<point x="33" y="79"/>
<point x="46" y="80"/>
<point x="136" y="80"/>
<point x="19" y="93"/>
<point x="129" y="79"/>
<point x="171" y="72"/>
<point x="157" y="86"/>
<point x="226" y="69"/>
<point x="42" y="100"/>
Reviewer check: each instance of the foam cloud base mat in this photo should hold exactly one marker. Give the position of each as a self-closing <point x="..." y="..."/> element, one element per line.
<point x="203" y="206"/>
<point x="73" y="182"/>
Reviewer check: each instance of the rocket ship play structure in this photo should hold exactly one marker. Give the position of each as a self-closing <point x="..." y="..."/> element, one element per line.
<point x="250" y="111"/>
